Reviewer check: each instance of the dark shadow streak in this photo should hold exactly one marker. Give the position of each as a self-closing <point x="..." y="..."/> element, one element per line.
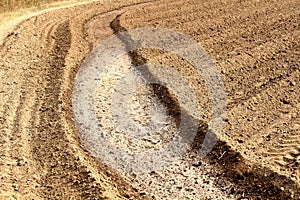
<point x="252" y="181"/>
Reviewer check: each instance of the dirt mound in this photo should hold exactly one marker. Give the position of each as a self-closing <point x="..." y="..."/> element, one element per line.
<point x="255" y="44"/>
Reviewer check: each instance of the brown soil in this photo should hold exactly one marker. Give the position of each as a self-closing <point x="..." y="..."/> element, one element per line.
<point x="255" y="44"/>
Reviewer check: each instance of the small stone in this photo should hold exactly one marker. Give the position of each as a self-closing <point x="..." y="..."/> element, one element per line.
<point x="285" y="101"/>
<point x="108" y="173"/>
<point x="142" y="193"/>
<point x="240" y="141"/>
<point x="292" y="83"/>
<point x="198" y="164"/>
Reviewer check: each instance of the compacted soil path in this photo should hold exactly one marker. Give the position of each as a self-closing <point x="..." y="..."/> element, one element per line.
<point x="255" y="45"/>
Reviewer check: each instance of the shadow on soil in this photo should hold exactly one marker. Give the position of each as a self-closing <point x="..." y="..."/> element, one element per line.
<point x="250" y="181"/>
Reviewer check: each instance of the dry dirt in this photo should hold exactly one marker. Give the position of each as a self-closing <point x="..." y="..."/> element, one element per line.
<point x="255" y="45"/>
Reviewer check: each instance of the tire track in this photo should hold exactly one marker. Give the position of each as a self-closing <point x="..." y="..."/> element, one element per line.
<point x="46" y="184"/>
<point x="51" y="139"/>
<point x="40" y="123"/>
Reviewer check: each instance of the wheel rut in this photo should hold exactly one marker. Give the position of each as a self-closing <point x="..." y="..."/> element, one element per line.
<point x="257" y="157"/>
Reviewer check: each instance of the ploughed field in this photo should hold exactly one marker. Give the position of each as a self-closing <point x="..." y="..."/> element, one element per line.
<point x="255" y="45"/>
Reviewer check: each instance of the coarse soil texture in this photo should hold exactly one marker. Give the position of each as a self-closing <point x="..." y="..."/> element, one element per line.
<point x="255" y="44"/>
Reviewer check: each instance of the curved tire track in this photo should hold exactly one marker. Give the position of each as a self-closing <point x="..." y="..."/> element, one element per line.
<point x="41" y="156"/>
